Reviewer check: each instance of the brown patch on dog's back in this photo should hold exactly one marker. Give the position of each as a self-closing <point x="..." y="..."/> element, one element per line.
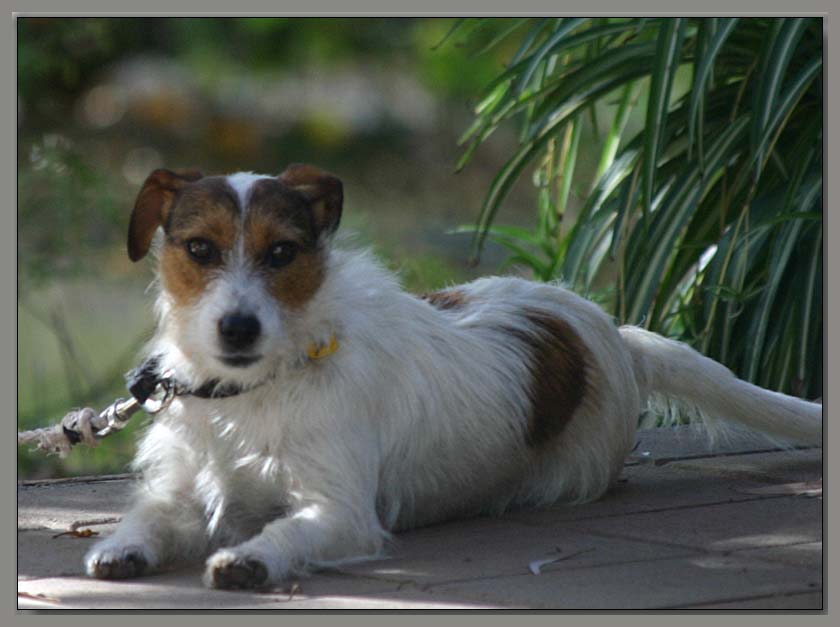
<point x="558" y="369"/>
<point x="446" y="299"/>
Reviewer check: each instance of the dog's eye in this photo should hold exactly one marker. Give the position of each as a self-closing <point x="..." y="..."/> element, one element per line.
<point x="201" y="250"/>
<point x="281" y="254"/>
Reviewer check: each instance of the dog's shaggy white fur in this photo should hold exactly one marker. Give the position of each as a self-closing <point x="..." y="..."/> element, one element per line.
<point x="427" y="410"/>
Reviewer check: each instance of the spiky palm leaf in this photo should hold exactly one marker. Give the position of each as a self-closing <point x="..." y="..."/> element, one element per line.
<point x="712" y="213"/>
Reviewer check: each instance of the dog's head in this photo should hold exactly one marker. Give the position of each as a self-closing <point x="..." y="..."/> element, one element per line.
<point x="241" y="256"/>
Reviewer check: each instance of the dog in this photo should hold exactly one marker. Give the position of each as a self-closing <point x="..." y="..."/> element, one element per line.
<point x="323" y="408"/>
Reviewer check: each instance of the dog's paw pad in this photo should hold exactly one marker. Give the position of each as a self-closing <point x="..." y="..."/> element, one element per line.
<point x="231" y="572"/>
<point x="130" y="563"/>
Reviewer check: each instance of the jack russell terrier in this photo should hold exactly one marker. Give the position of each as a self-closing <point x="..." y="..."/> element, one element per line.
<point x="322" y="407"/>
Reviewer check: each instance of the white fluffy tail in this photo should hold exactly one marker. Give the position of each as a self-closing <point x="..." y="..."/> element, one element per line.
<point x="677" y="371"/>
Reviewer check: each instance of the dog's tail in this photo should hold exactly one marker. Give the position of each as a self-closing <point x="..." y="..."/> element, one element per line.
<point x="676" y="371"/>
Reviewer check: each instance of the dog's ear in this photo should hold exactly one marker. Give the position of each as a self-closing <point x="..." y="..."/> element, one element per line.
<point x="152" y="206"/>
<point x="324" y="191"/>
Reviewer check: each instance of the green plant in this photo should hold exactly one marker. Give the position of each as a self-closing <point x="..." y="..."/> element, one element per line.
<point x="707" y="216"/>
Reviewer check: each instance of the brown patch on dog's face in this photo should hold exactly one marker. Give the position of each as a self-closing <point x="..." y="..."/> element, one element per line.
<point x="281" y="219"/>
<point x="281" y="231"/>
<point x="558" y="369"/>
<point x="297" y="284"/>
<point x="206" y="212"/>
<point x="446" y="299"/>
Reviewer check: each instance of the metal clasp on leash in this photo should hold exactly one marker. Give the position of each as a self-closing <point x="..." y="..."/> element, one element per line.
<point x="121" y="411"/>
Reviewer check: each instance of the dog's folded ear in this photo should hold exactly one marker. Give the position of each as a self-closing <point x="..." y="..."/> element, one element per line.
<point x="324" y="191"/>
<point x="152" y="206"/>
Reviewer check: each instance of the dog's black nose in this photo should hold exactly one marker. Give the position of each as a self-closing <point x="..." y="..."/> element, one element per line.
<point x="238" y="331"/>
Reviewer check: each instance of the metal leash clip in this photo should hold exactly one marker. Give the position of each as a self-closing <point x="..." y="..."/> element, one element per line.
<point x="162" y="395"/>
<point x="121" y="411"/>
<point x="117" y="415"/>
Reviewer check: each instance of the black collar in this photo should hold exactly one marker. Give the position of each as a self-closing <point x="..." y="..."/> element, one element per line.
<point x="143" y="380"/>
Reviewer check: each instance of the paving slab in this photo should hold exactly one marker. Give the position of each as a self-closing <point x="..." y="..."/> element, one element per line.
<point x="42" y="554"/>
<point x="658" y="584"/>
<point x="58" y="504"/>
<point x="807" y="554"/>
<point x="648" y="487"/>
<point x="730" y="526"/>
<point x="489" y="548"/>
<point x="376" y="603"/>
<point x="805" y="601"/>
<point x="787" y="466"/>
<point x="474" y="550"/>
<point x="689" y="526"/>
<point x="168" y="590"/>
<point x="660" y="446"/>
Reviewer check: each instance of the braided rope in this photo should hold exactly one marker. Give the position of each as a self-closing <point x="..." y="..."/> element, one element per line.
<point x="55" y="440"/>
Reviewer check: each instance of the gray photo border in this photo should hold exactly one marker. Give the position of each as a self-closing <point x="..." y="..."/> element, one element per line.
<point x="8" y="276"/>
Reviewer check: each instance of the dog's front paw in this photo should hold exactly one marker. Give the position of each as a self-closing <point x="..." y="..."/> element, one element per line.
<point x="117" y="563"/>
<point x="225" y="569"/>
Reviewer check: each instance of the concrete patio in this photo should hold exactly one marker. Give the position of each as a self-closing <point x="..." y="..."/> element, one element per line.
<point x="738" y="526"/>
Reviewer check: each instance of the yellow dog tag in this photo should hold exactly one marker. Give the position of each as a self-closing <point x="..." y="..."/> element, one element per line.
<point x="316" y="351"/>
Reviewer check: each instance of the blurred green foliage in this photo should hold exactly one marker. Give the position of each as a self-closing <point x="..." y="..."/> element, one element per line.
<point x="58" y="57"/>
<point x="70" y="193"/>
<point x="66" y="202"/>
